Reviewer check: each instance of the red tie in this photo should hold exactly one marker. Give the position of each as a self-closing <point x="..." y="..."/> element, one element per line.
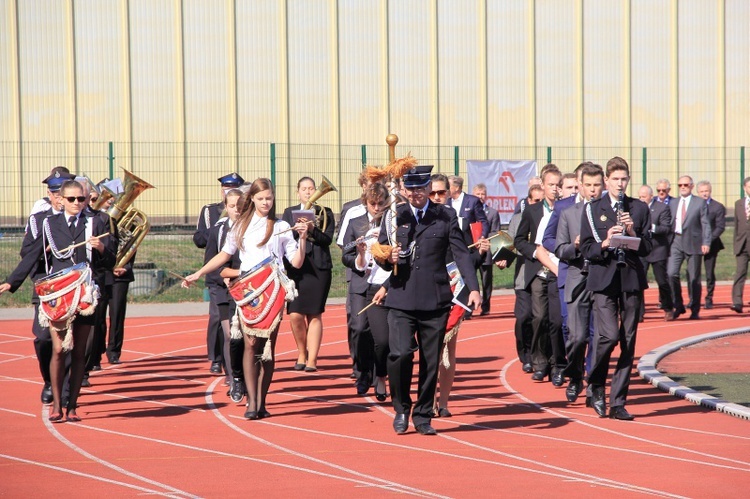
<point x="684" y="210"/>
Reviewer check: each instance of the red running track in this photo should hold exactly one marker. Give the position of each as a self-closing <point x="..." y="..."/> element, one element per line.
<point x="161" y="424"/>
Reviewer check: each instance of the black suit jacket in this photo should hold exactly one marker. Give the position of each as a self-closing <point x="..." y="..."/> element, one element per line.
<point x="62" y="238"/>
<point x="317" y="249"/>
<point x="421" y="282"/>
<point x="472" y="210"/>
<point x="217" y="236"/>
<point x="210" y="214"/>
<point x="603" y="270"/>
<point x="525" y="239"/>
<point x="741" y="227"/>
<point x="717" y="218"/>
<point x="662" y="232"/>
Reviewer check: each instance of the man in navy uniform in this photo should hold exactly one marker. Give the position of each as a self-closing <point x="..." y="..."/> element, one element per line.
<point x="419" y="297"/>
<point x="617" y="280"/>
<point x="717" y="214"/>
<point x="210" y="214"/>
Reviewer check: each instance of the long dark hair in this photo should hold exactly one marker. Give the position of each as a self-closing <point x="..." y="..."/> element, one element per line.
<point x="248" y="208"/>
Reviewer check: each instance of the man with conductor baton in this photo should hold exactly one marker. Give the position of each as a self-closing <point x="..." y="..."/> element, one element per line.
<point x="617" y="280"/>
<point x="419" y="297"/>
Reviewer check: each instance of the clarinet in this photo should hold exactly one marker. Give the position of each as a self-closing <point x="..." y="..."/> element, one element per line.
<point x="619" y="251"/>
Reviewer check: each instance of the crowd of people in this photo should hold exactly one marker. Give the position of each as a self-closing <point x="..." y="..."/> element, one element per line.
<point x="410" y="245"/>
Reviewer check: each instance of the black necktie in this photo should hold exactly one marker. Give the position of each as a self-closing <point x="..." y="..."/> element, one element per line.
<point x="419" y="216"/>
<point x="72" y="225"/>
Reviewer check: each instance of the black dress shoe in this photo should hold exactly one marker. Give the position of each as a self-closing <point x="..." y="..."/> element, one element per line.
<point x="557" y="377"/>
<point x="483" y="313"/>
<point x="426" y="429"/>
<point x="96" y="367"/>
<point x="47" y="394"/>
<point x="400" y="424"/>
<point x="251" y="415"/>
<point x="443" y="412"/>
<point x="299" y="367"/>
<point x="540" y="375"/>
<point x="574" y="389"/>
<point x="709" y="304"/>
<point x="527" y="368"/>
<point x="363" y="384"/>
<point x="598" y="402"/>
<point x="85" y="383"/>
<point x="263" y="414"/>
<point x="736" y="308"/>
<point x="115" y="359"/>
<point x="694" y="316"/>
<point x="215" y="368"/>
<point x="619" y="412"/>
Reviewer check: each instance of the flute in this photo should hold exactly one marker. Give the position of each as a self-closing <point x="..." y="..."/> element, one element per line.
<point x="73" y="246"/>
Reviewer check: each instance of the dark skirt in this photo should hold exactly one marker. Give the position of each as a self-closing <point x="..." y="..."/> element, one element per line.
<point x="313" y="285"/>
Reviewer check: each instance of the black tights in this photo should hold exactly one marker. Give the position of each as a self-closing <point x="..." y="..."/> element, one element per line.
<point x="258" y="374"/>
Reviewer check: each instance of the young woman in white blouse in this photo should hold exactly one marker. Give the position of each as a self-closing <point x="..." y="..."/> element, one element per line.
<point x="258" y="235"/>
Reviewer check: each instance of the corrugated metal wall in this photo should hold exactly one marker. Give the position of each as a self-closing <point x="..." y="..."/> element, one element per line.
<point x="191" y="89"/>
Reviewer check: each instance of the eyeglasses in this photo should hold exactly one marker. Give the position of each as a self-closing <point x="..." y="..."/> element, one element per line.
<point x="94" y="200"/>
<point x="684" y="185"/>
<point x="441" y="192"/>
<point x="662" y="190"/>
<point x="73" y="199"/>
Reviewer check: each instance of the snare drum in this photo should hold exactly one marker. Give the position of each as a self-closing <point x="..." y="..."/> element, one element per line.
<point x="66" y="293"/>
<point x="260" y="295"/>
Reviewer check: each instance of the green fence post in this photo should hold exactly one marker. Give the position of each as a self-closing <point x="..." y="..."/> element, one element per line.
<point x="111" y="159"/>
<point x="273" y="163"/>
<point x="455" y="161"/>
<point x="364" y="156"/>
<point x="549" y="154"/>
<point x="742" y="170"/>
<point x="645" y="169"/>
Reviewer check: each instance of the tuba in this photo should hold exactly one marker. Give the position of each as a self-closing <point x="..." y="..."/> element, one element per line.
<point x="132" y="223"/>
<point x="325" y="187"/>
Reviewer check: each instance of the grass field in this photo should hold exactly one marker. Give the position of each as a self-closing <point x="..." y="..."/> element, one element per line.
<point x="177" y="253"/>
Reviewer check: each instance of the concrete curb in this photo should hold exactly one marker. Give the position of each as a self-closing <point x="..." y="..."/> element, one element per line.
<point x="647" y="370"/>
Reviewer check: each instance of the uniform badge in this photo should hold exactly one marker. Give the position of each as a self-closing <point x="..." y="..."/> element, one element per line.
<point x="603" y="218"/>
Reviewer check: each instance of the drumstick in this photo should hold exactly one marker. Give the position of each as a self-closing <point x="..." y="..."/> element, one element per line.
<point x="73" y="246"/>
<point x="175" y="274"/>
<point x="491" y="237"/>
<point x="368" y="306"/>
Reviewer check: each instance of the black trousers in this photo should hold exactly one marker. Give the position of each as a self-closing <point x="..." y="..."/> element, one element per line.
<point x="42" y="345"/>
<point x="429" y="327"/>
<point x="364" y="346"/>
<point x="118" y="304"/>
<point x="616" y="319"/>
<point x="485" y="273"/>
<point x="662" y="281"/>
<point x="709" y="261"/>
<point x="547" y="345"/>
<point x="99" y="341"/>
<point x="523" y="329"/>
<point x="214" y="332"/>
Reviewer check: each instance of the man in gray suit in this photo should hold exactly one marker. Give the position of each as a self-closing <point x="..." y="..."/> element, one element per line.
<point x="577" y="297"/>
<point x="741" y="245"/>
<point x="692" y="240"/>
<point x="661" y="236"/>
<point x="717" y="215"/>
<point x="485" y="269"/>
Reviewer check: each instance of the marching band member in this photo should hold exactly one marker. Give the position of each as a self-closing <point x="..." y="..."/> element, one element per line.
<point x="617" y="280"/>
<point x="369" y="283"/>
<point x="258" y="236"/>
<point x="419" y="296"/>
<point x="209" y="215"/>
<point x="59" y="232"/>
<point x="313" y="281"/>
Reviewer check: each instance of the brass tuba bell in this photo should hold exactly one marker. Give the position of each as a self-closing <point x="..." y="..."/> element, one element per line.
<point x="132" y="223"/>
<point x="324" y="188"/>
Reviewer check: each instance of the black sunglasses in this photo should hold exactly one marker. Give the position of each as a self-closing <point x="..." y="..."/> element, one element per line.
<point x="94" y="200"/>
<point x="73" y="199"/>
<point x="441" y="192"/>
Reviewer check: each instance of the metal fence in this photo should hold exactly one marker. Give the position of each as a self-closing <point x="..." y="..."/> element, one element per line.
<point x="185" y="176"/>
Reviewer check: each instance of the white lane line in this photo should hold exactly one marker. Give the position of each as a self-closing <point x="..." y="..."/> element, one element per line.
<point x="666" y="427"/>
<point x="225" y="454"/>
<point x="17" y="359"/>
<point x="18" y="340"/>
<point x="86" y="475"/>
<point x="17" y="336"/>
<point x="164" y="335"/>
<point x="14" y="355"/>
<point x="510" y="389"/>
<point x="50" y="427"/>
<point x="564" y="472"/>
<point x="383" y="483"/>
<point x="17" y="412"/>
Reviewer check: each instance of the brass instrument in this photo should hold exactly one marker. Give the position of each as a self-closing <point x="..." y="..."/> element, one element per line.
<point x="105" y="194"/>
<point x="132" y="223"/>
<point x="325" y="187"/>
